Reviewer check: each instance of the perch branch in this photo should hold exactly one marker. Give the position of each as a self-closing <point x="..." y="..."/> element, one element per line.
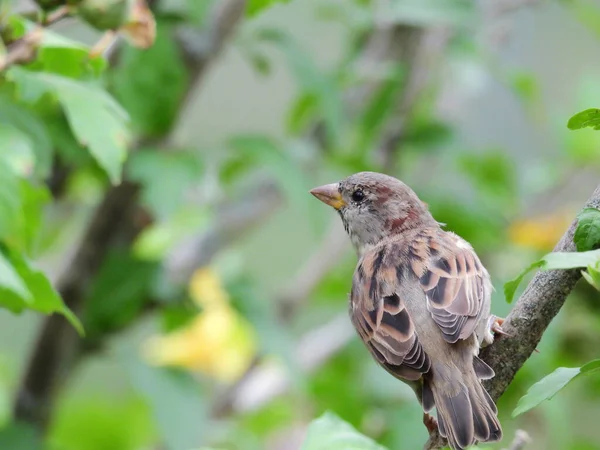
<point x="540" y="303"/>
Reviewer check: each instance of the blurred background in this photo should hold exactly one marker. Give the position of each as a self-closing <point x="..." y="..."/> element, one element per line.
<point x="213" y="288"/>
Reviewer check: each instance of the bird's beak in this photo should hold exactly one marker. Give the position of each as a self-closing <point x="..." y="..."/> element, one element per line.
<point x="330" y="195"/>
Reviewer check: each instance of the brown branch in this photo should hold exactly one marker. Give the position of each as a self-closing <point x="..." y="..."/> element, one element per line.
<point x="58" y="347"/>
<point x="24" y="50"/>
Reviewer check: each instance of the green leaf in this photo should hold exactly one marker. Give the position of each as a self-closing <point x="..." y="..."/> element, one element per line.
<point x="550" y="385"/>
<point x="96" y="119"/>
<point x="151" y="83"/>
<point x="588" y="118"/>
<point x="256" y="6"/>
<point x="20" y="436"/>
<point x="10" y="279"/>
<point x="31" y="125"/>
<point x="431" y="12"/>
<point x="378" y="109"/>
<point x="94" y="420"/>
<point x="312" y="82"/>
<point x="43" y="296"/>
<point x="553" y="261"/>
<point x="29" y="220"/>
<point x="17" y="150"/>
<point x="587" y="234"/>
<point x="119" y="291"/>
<point x="493" y="175"/>
<point x="10" y="200"/>
<point x="61" y="55"/>
<point x="154" y="241"/>
<point x="164" y="177"/>
<point x="592" y="275"/>
<point x="329" y="432"/>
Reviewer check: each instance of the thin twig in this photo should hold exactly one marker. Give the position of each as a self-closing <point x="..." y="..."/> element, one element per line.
<point x="24" y="50"/>
<point x="520" y="441"/>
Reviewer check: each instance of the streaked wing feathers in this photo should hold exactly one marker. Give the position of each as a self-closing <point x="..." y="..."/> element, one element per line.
<point x="454" y="281"/>
<point x="381" y="319"/>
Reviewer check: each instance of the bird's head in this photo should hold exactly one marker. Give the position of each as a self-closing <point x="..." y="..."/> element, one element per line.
<point x="374" y="206"/>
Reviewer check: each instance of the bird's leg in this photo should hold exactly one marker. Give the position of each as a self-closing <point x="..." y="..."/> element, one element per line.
<point x="430" y="423"/>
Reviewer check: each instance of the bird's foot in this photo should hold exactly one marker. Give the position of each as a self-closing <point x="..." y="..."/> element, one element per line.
<point x="496" y="326"/>
<point x="430" y="423"/>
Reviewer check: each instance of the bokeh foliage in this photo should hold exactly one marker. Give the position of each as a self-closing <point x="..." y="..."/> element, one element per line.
<point x="192" y="284"/>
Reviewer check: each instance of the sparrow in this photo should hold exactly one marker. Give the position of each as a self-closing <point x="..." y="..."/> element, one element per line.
<point x="420" y="301"/>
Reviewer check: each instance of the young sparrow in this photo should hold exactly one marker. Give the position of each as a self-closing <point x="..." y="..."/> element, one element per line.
<point x="420" y="301"/>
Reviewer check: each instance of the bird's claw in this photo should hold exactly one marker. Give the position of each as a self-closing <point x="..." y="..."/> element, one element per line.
<point x="430" y="423"/>
<point x="496" y="326"/>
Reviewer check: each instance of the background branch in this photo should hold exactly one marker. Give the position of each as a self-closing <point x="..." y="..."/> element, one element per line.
<point x="58" y="346"/>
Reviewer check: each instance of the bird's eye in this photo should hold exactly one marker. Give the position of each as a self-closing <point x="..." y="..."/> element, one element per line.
<point x="358" y="196"/>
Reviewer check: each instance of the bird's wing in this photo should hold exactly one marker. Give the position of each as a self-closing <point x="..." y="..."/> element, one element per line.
<point x="381" y="319"/>
<point x="456" y="284"/>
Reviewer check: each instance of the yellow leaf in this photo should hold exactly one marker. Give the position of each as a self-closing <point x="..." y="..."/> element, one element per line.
<point x="206" y="289"/>
<point x="219" y="342"/>
<point x="540" y="232"/>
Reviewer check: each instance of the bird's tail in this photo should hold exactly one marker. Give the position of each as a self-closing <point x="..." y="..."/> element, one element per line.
<point x="465" y="411"/>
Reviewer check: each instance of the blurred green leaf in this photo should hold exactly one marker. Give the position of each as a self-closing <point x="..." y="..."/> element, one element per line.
<point x="592" y="275"/>
<point x="588" y="118"/>
<point x="151" y="83"/>
<point x="164" y="177"/>
<point x="118" y="293"/>
<point x="553" y="261"/>
<point x="43" y="296"/>
<point x="94" y="422"/>
<point x="28" y="221"/>
<point x="493" y="175"/>
<point x="10" y="200"/>
<point x="256" y="6"/>
<point x="176" y="401"/>
<point x="20" y="436"/>
<point x="477" y="225"/>
<point x="302" y="112"/>
<point x="432" y="12"/>
<point x="60" y="54"/>
<point x="97" y="121"/>
<point x="154" y="241"/>
<point x="329" y="432"/>
<point x="177" y="316"/>
<point x="32" y="126"/>
<point x="377" y="110"/>
<point x="10" y="279"/>
<point x="550" y="385"/>
<point x="526" y="86"/>
<point x="587" y="234"/>
<point x="587" y="12"/>
<point x="17" y="150"/>
<point x="312" y="82"/>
